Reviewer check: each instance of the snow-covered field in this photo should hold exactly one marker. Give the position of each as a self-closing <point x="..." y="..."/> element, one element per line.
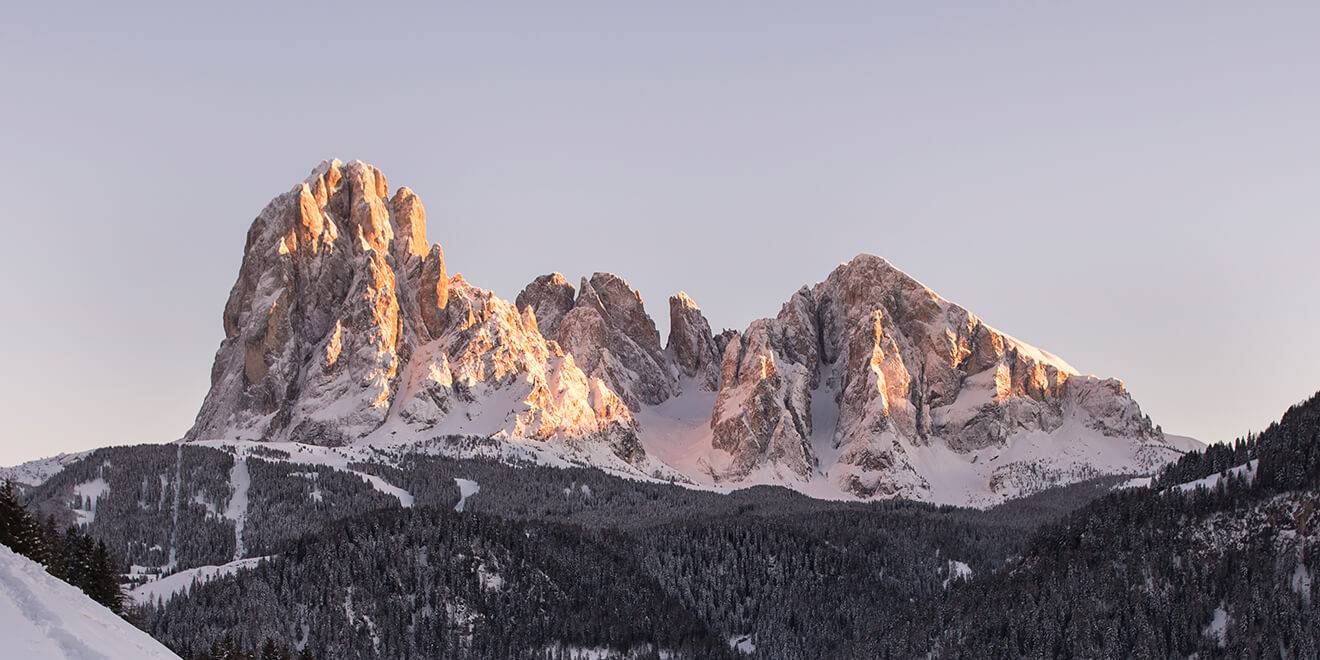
<point x="43" y="617"/>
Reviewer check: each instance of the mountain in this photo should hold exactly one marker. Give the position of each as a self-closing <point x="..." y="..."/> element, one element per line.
<point x="344" y="327"/>
<point x="43" y="617"/>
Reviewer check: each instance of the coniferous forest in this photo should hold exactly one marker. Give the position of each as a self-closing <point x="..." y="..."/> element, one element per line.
<point x="1213" y="558"/>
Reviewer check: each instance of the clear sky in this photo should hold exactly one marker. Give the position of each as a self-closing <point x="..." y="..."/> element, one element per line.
<point x="1134" y="188"/>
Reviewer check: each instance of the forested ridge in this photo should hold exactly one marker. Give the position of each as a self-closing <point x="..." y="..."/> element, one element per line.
<point x="562" y="562"/>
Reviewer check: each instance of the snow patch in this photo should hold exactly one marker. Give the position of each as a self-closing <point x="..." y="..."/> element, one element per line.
<point x="88" y="493"/>
<point x="958" y="571"/>
<point x="1217" y="629"/>
<point x="1301" y="582"/>
<point x="466" y="488"/>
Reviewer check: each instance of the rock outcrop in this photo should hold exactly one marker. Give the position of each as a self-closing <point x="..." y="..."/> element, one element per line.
<point x="691" y="347"/>
<point x="549" y="297"/>
<point x="613" y="338"/>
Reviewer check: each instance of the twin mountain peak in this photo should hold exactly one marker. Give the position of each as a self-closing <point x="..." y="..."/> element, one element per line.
<point x="344" y="327"/>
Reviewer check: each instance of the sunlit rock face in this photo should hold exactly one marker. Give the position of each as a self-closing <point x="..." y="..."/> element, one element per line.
<point x="613" y="338"/>
<point x="343" y="319"/>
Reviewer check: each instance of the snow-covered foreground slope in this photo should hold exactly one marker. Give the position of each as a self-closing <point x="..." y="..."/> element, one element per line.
<point x="43" y="617"/>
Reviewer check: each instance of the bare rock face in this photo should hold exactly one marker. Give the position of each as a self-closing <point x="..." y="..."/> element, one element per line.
<point x="343" y="319"/>
<point x="610" y="334"/>
<point x="314" y="318"/>
<point x="550" y="297"/>
<point x="691" y="348"/>
<point x="906" y="369"/>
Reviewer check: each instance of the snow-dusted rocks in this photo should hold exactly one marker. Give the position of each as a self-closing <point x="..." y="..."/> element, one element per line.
<point x="613" y="339"/>
<point x="43" y="617"/>
<point x="922" y="389"/>
<point x="345" y="327"/>
<point x="343" y="319"/>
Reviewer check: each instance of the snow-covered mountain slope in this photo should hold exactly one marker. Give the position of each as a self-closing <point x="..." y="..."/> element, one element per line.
<point x="43" y="617"/>
<point x="36" y="472"/>
<point x="344" y="328"/>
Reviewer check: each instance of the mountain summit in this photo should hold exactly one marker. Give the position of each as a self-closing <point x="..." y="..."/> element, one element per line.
<point x="344" y="327"/>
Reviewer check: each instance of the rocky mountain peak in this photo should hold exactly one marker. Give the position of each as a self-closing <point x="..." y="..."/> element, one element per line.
<point x="550" y="297"/>
<point x="906" y="369"/>
<point x="344" y="321"/>
<point x="343" y="326"/>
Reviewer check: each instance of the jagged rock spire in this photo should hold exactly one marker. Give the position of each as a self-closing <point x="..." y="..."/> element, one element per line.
<point x="691" y="346"/>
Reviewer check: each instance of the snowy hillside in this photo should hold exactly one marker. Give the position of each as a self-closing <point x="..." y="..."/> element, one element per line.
<point x="42" y="617"/>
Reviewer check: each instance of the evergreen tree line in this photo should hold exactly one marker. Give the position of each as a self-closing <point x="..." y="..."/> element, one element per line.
<point x="1146" y="573"/>
<point x="71" y="555"/>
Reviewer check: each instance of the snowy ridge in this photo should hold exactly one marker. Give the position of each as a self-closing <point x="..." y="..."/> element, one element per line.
<point x="36" y="472"/>
<point x="43" y="617"/>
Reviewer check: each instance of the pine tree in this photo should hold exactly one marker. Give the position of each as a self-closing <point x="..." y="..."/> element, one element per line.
<point x="103" y="584"/>
<point x="18" y="529"/>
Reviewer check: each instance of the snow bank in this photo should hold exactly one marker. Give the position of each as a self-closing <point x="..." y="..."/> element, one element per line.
<point x="742" y="644"/>
<point x="42" y="617"/>
<point x="1134" y="482"/>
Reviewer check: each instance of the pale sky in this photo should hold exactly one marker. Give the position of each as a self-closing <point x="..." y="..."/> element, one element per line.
<point x="1133" y="188"/>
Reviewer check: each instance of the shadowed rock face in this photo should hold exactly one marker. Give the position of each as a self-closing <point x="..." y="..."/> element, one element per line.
<point x="549" y="297"/>
<point x="691" y="347"/>
<point x="344" y="323"/>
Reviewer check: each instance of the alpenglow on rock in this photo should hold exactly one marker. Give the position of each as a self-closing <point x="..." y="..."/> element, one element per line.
<point x="345" y="326"/>
<point x="344" y="322"/>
